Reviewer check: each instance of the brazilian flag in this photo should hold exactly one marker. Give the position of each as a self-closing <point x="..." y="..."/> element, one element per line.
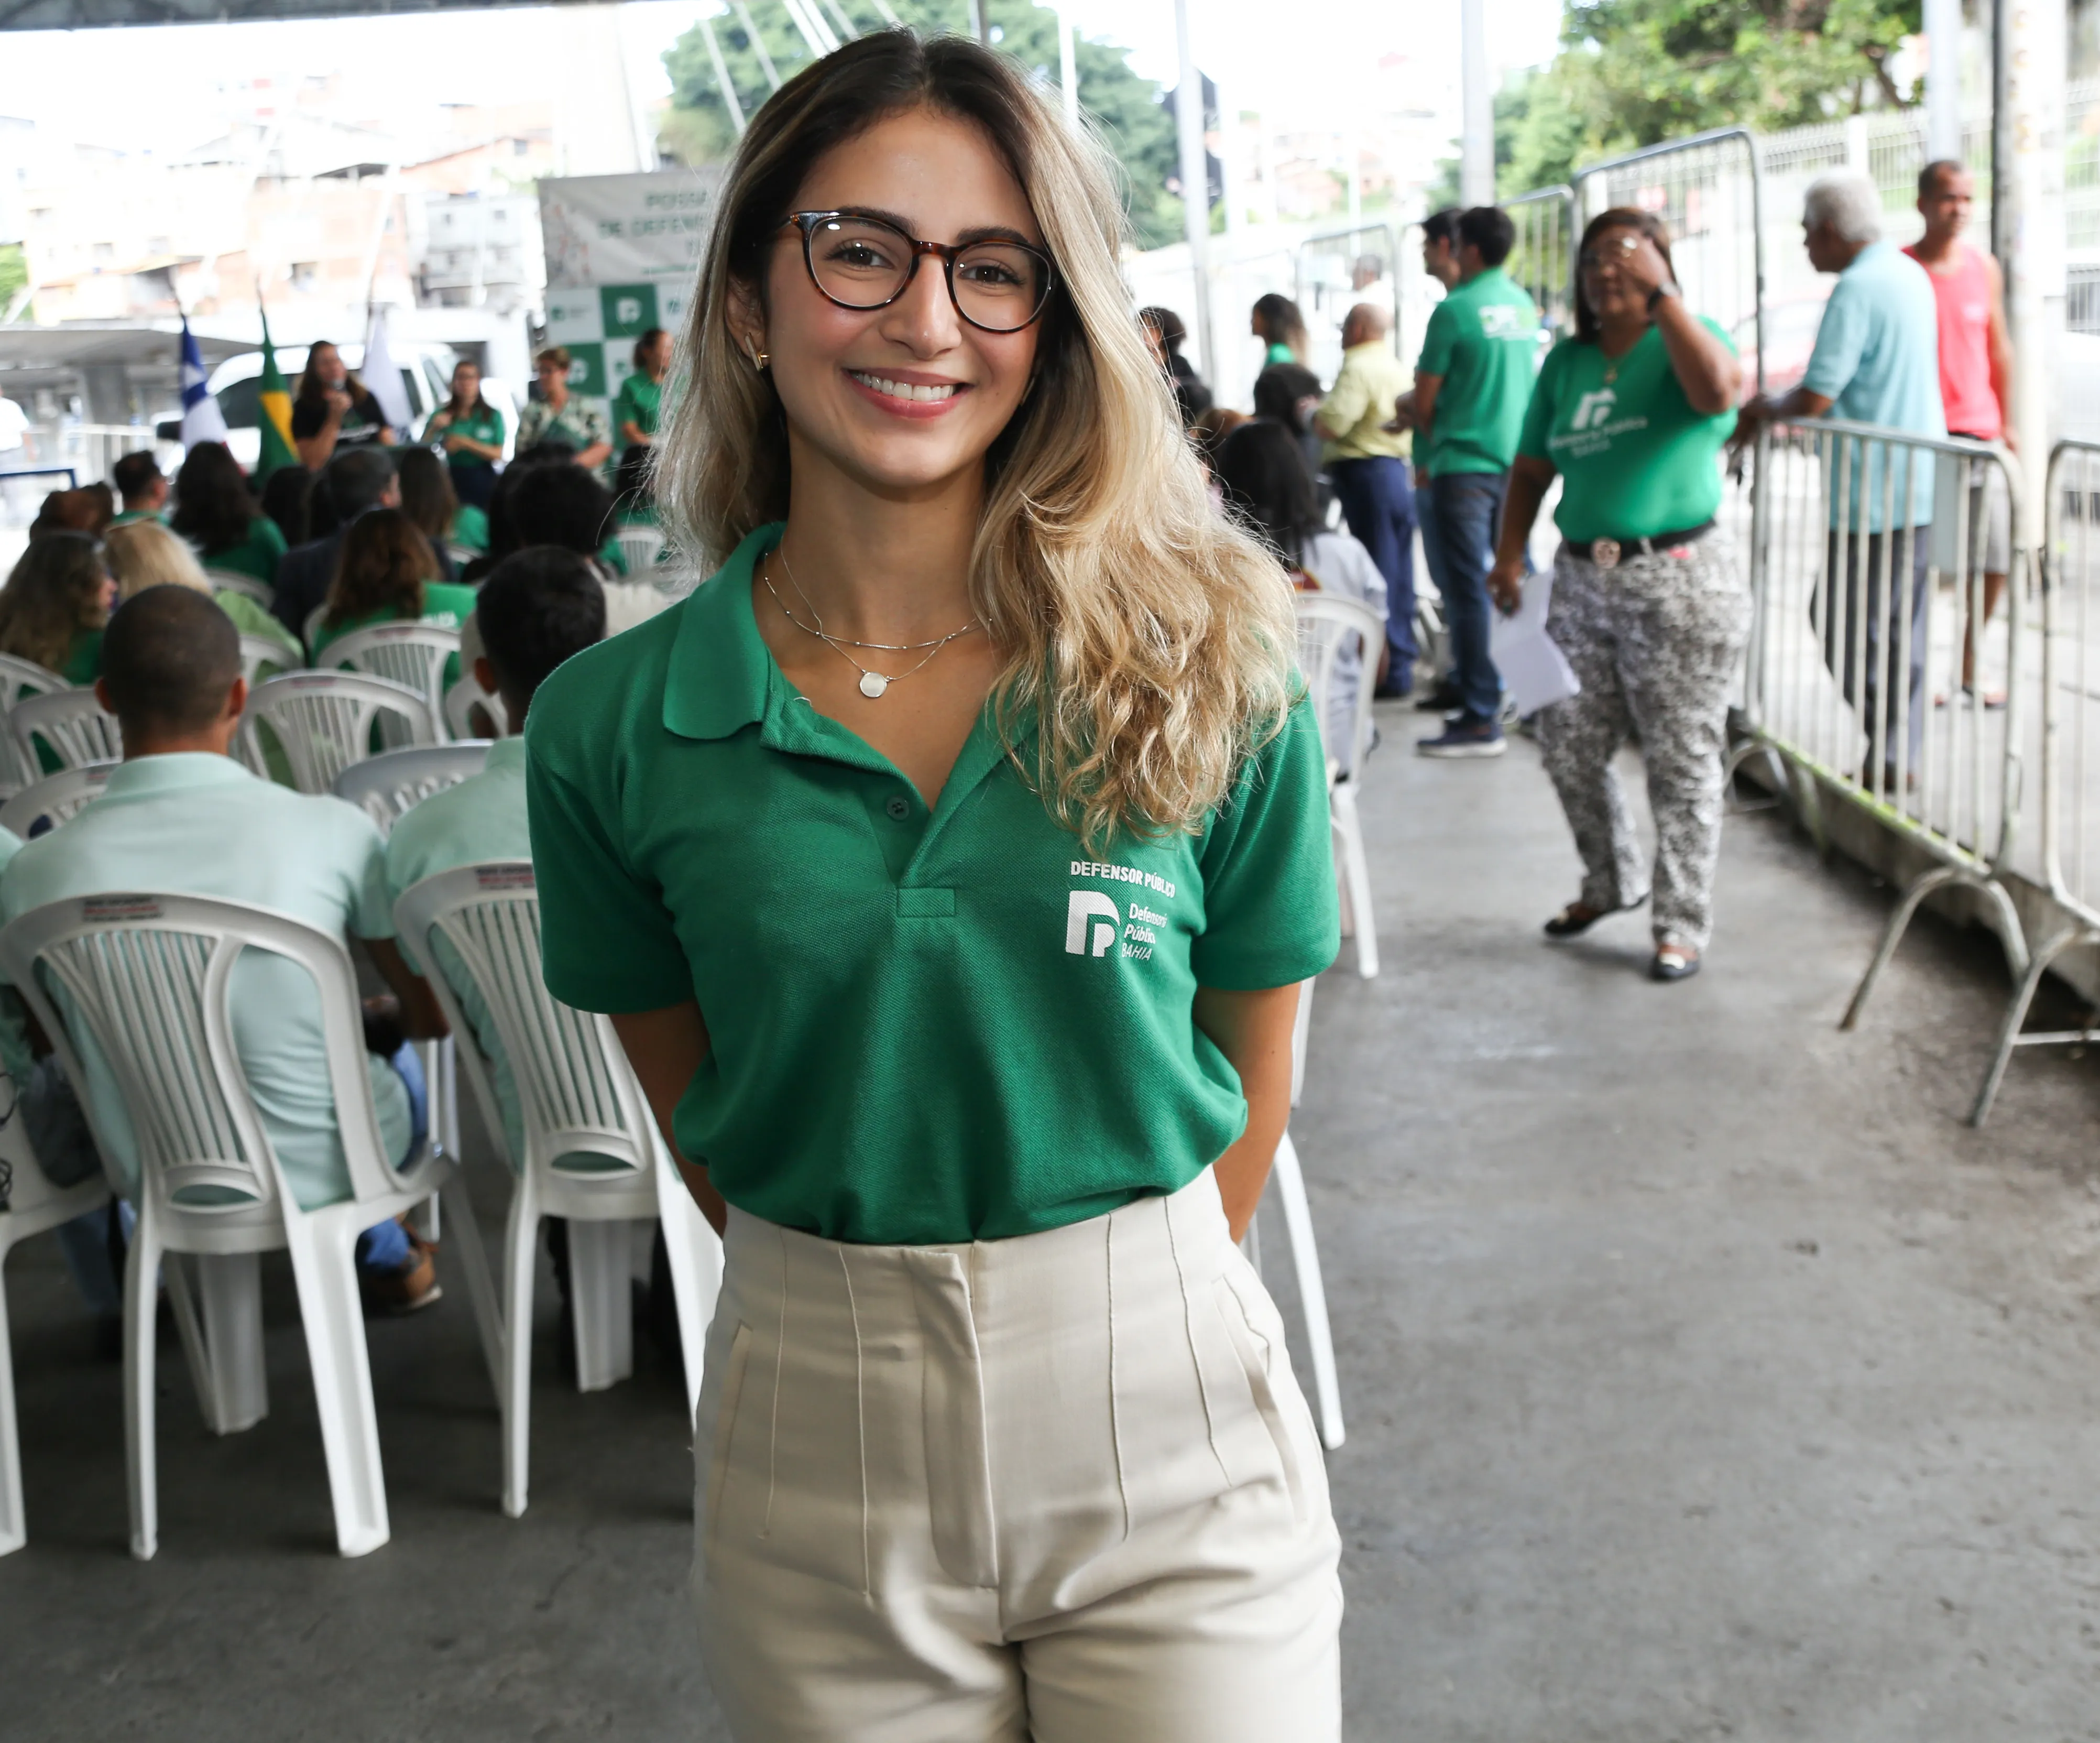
<point x="275" y="403"/>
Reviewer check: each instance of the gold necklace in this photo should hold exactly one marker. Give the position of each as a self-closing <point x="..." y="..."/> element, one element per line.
<point x="872" y="684"/>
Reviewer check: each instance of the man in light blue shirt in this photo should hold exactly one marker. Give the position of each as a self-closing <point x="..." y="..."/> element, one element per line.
<point x="1876" y="361"/>
<point x="181" y="816"/>
<point x="536" y="608"/>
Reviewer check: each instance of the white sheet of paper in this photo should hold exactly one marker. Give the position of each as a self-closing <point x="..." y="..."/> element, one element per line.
<point x="1535" y="673"/>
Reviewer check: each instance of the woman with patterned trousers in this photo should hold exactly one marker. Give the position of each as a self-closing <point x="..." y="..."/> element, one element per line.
<point x="948" y="864"/>
<point x="1647" y="606"/>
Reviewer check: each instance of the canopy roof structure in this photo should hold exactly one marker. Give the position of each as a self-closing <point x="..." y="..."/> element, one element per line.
<point x="89" y="15"/>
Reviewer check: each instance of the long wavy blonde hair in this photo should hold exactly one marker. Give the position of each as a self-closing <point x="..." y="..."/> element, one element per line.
<point x="144" y="554"/>
<point x="1148" y="643"/>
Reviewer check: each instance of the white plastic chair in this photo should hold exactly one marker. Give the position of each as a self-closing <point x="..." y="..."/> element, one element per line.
<point x="1327" y="623"/>
<point x="149" y="978"/>
<point x="258" y="651"/>
<point x="233" y="581"/>
<point x="1289" y="1180"/>
<point x="76" y="727"/>
<point x="576" y="1093"/>
<point x="639" y="547"/>
<point x="415" y="655"/>
<point x="20" y="677"/>
<point x="325" y="721"/>
<point x="387" y="785"/>
<point x="33" y="1206"/>
<point x="460" y="703"/>
<point x="56" y="796"/>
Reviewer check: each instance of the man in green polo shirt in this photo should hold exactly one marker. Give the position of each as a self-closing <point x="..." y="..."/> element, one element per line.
<point x="1472" y="384"/>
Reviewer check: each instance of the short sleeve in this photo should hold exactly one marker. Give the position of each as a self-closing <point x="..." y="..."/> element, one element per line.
<point x="372" y="915"/>
<point x="1439" y="341"/>
<point x="1538" y="410"/>
<point x="1840" y="341"/>
<point x="1270" y="914"/>
<point x="607" y="942"/>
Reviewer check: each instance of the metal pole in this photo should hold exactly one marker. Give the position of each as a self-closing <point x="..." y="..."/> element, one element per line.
<point x="1195" y="182"/>
<point x="757" y="45"/>
<point x="1476" y="147"/>
<point x="2004" y="197"/>
<point x="1068" y="68"/>
<point x="2035" y="52"/>
<point x="722" y="76"/>
<point x="978" y="21"/>
<point x="1942" y="79"/>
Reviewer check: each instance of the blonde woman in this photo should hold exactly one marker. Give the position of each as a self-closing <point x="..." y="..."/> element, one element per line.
<point x="948" y="864"/>
<point x="144" y="554"/>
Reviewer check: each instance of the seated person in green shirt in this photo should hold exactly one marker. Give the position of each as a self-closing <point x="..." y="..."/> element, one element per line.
<point x="146" y="554"/>
<point x="218" y="514"/>
<point x="535" y="609"/>
<point x="1648" y="604"/>
<point x="182" y="815"/>
<point x="557" y="417"/>
<point x="470" y="431"/>
<point x="385" y="577"/>
<point x="55" y="605"/>
<point x="428" y="499"/>
<point x="640" y="400"/>
<point x="141" y="487"/>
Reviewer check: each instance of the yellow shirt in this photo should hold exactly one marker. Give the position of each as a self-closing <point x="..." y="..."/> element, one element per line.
<point x="1371" y="378"/>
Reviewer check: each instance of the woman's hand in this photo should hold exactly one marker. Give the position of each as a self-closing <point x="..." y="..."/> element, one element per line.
<point x="1640" y="262"/>
<point x="1506" y="584"/>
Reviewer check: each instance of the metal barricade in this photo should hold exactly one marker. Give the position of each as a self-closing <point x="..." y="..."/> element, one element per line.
<point x="1336" y="270"/>
<point x="2068" y="658"/>
<point x="1868" y="573"/>
<point x="1543" y="259"/>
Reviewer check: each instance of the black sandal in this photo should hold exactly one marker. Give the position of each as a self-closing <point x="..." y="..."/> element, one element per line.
<point x="1674" y="962"/>
<point x="1575" y="919"/>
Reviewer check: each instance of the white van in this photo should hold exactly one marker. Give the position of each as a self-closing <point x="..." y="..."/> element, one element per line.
<point x="426" y="374"/>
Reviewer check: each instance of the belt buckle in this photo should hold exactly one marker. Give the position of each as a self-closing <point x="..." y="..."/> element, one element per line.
<point x="1604" y="553"/>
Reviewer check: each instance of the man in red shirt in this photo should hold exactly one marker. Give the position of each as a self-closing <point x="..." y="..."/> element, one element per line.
<point x="1975" y="367"/>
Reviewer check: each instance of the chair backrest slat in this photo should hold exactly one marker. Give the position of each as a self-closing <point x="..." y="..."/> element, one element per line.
<point x="57" y="798"/>
<point x="412" y="654"/>
<point x="389" y="785"/>
<point x="76" y="726"/>
<point x="1327" y="623"/>
<point x="325" y="721"/>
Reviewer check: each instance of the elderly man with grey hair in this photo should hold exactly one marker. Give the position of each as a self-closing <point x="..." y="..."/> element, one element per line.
<point x="1876" y="361"/>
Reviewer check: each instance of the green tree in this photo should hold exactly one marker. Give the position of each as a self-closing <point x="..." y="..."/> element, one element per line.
<point x="1123" y="107"/>
<point x="1635" y="72"/>
<point x="14" y="274"/>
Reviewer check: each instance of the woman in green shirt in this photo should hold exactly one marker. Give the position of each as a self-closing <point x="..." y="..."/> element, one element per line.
<point x="558" y="416"/>
<point x="218" y="514"/>
<point x="1277" y="324"/>
<point x="384" y="577"/>
<point x="640" y="400"/>
<point x="1647" y="605"/>
<point x="56" y="604"/>
<point x="948" y="864"/>
<point x="470" y="431"/>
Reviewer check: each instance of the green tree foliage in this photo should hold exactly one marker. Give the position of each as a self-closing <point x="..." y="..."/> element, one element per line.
<point x="1635" y="72"/>
<point x="14" y="274"/>
<point x="1124" y="108"/>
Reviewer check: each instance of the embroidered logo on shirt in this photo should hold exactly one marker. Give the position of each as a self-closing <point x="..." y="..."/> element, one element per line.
<point x="1090" y="920"/>
<point x="1498" y="320"/>
<point x="1593" y="409"/>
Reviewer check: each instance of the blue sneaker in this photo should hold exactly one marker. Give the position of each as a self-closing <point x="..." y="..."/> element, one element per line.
<point x="1465" y="737"/>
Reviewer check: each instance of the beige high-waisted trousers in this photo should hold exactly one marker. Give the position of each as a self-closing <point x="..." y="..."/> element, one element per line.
<point x="1061" y="1487"/>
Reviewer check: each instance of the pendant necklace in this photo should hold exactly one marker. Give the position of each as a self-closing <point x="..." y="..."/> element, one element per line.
<point x="872" y="684"/>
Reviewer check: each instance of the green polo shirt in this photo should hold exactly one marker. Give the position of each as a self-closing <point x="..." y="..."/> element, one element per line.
<point x="480" y="819"/>
<point x="484" y="425"/>
<point x="1635" y="458"/>
<point x="470" y="528"/>
<point x="928" y="1025"/>
<point x="1483" y="340"/>
<point x="640" y="402"/>
<point x="196" y="824"/>
<point x="447" y="605"/>
<point x="257" y="555"/>
<point x="132" y="517"/>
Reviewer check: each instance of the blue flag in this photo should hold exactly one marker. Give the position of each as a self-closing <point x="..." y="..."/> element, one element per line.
<point x="202" y="420"/>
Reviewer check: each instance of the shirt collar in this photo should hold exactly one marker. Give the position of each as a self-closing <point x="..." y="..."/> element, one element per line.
<point x="173" y="771"/>
<point x="719" y="668"/>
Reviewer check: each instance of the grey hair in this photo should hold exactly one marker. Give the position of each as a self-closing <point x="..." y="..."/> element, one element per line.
<point x="1848" y="203"/>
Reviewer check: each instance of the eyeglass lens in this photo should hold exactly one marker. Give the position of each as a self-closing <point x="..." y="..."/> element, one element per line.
<point x="864" y="264"/>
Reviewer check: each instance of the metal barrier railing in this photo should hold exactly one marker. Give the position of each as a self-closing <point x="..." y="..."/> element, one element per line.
<point x="1335" y="270"/>
<point x="2069" y="724"/>
<point x="1542" y="259"/>
<point x="1869" y="570"/>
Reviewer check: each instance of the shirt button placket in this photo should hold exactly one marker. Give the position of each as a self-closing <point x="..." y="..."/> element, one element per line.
<point x="899" y="808"/>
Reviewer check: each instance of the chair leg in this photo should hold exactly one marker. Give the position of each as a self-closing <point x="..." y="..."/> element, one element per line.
<point x="189" y="1330"/>
<point x="480" y="1284"/>
<point x="14" y="1520"/>
<point x="142" y="1272"/>
<point x="1311" y="1290"/>
<point x="520" y="1240"/>
<point x="231" y="1287"/>
<point x="324" y="1261"/>
<point x="601" y="1292"/>
<point x="696" y="1271"/>
<point x="1357" y="875"/>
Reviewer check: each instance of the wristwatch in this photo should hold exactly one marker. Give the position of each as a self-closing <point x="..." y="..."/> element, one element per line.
<point x="1668" y="288"/>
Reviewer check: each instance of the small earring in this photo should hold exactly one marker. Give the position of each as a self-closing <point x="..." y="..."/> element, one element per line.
<point x="759" y="359"/>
